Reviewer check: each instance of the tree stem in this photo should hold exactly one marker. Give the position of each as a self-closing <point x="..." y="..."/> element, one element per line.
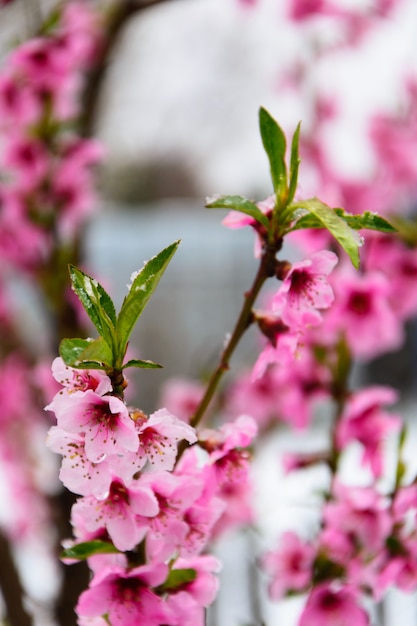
<point x="266" y="269"/>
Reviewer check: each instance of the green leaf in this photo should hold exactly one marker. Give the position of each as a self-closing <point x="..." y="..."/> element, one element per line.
<point x="240" y="204"/>
<point x="83" y="551"/>
<point x="307" y="220"/>
<point x="327" y="218"/>
<point x="96" y="301"/>
<point x="177" y="578"/>
<point x="274" y="142"/>
<point x="139" y="363"/>
<point x="70" y="350"/>
<point x="97" y="351"/>
<point x="294" y="163"/>
<point x="368" y="220"/>
<point x="140" y="291"/>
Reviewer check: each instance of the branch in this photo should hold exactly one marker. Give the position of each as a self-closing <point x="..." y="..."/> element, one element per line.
<point x="11" y="587"/>
<point x="119" y="17"/>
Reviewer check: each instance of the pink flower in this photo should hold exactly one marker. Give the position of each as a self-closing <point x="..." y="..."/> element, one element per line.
<point x="400" y="567"/>
<point x="104" y="420"/>
<point x="290" y="565"/>
<point x="281" y="349"/>
<point x="27" y="159"/>
<point x="167" y="531"/>
<point x="80" y="380"/>
<point x="305" y="290"/>
<point x="331" y="606"/>
<point x="181" y="397"/>
<point x="159" y="436"/>
<point x="77" y="473"/>
<point x="188" y="603"/>
<point x="363" y="420"/>
<point x="126" y="597"/>
<point x="237" y="434"/>
<point x="304" y="9"/>
<point x="18" y="103"/>
<point x="398" y="262"/>
<point x="117" y="513"/>
<point x="229" y="468"/>
<point x="38" y="62"/>
<point x="361" y="514"/>
<point x="361" y="311"/>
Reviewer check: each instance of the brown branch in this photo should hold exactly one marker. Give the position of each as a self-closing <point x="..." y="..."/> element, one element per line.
<point x="119" y="17"/>
<point x="11" y="587"/>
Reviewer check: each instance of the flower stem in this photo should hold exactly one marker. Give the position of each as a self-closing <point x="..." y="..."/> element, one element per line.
<point x="266" y="270"/>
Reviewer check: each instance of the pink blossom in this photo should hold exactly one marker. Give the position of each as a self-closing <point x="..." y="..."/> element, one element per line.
<point x="282" y="393"/>
<point x="281" y="350"/>
<point x="104" y="420"/>
<point x="364" y="420"/>
<point x="82" y="33"/>
<point x="73" y="196"/>
<point x="77" y="473"/>
<point x="237" y="434"/>
<point x="80" y="380"/>
<point x="37" y="61"/>
<point x="328" y="605"/>
<point x="305" y="290"/>
<point x="290" y="566"/>
<point x="159" y="436"/>
<point x="230" y="481"/>
<point x="27" y="159"/>
<point x="361" y="312"/>
<point x="361" y="514"/>
<point x="126" y="596"/>
<point x="398" y="262"/>
<point x="117" y="513"/>
<point x="18" y="103"/>
<point x="181" y="397"/>
<point x="188" y="603"/>
<point x="303" y="9"/>
<point x="167" y="531"/>
<point x="400" y="566"/>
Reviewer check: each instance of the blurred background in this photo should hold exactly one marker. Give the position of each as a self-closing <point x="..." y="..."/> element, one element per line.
<point x="178" y="115"/>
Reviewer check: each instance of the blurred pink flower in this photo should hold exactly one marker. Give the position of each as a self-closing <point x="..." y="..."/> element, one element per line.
<point x="290" y="565"/>
<point x="329" y="605"/>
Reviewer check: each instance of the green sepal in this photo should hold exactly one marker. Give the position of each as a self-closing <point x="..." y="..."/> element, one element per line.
<point x="294" y="164"/>
<point x="274" y="142"/>
<point x="177" y="578"/>
<point x="138" y="363"/>
<point x="97" y="303"/>
<point x="140" y="291"/>
<point x="82" y="551"/>
<point x="240" y="204"/>
<point x="323" y="216"/>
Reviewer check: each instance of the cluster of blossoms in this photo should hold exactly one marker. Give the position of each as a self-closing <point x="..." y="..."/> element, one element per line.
<point x="153" y="491"/>
<point x="315" y="325"/>
<point x="366" y="540"/>
<point x="155" y="508"/>
<point x="46" y="189"/>
<point x="46" y="193"/>
<point x="366" y="544"/>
